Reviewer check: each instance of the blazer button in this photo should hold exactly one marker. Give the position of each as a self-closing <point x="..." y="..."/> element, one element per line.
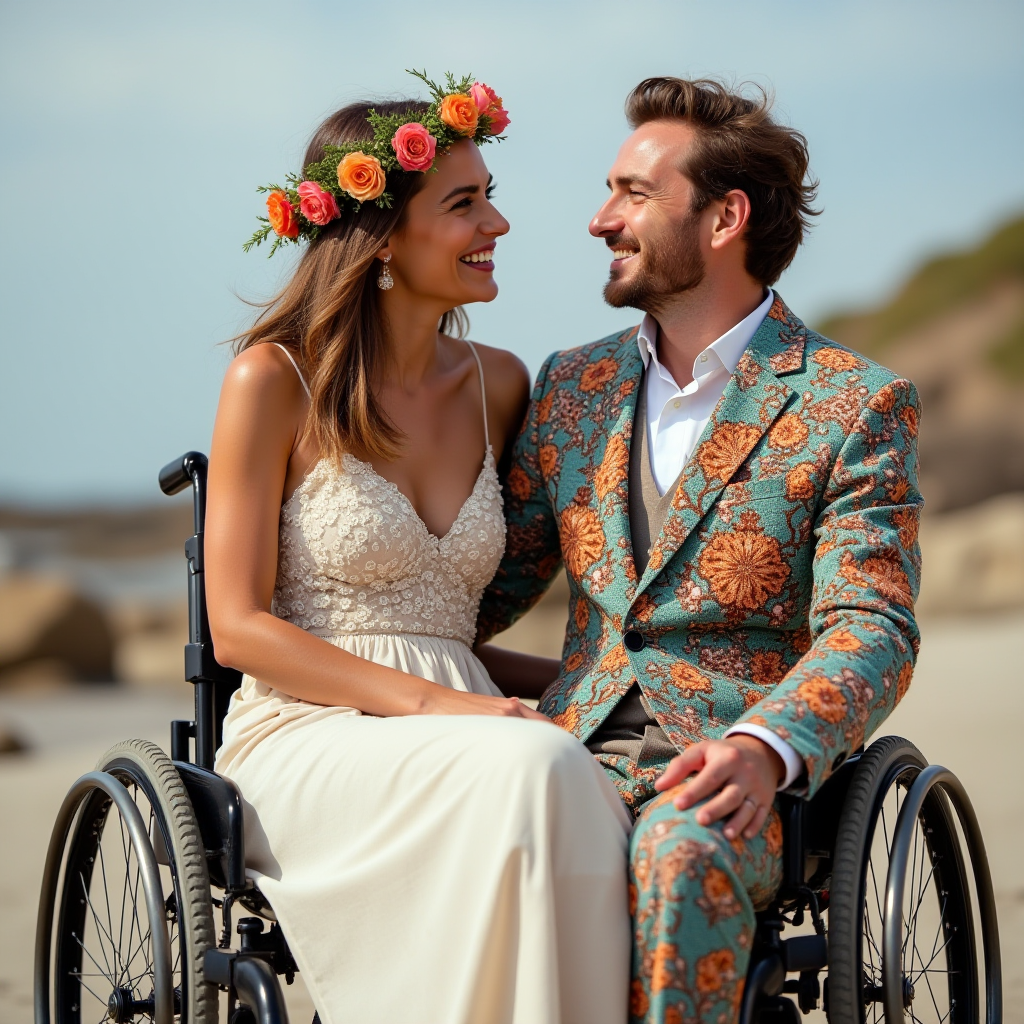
<point x="634" y="640"/>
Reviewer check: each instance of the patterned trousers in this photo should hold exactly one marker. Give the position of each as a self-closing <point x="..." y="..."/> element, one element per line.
<point x="693" y="894"/>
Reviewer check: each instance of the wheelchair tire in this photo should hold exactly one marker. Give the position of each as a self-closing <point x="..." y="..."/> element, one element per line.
<point x="938" y="972"/>
<point x="106" y="958"/>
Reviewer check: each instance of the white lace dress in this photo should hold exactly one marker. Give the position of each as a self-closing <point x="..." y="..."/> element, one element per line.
<point x="425" y="869"/>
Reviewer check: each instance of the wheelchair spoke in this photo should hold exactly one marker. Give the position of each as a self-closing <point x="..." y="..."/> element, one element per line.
<point x="924" y="970"/>
<point x="873" y="950"/>
<point x="920" y="901"/>
<point x="80" y="977"/>
<point x="125" y="847"/>
<point x="874" y="883"/>
<point x="99" y="927"/>
<point x="106" y="891"/>
<point x="148" y="966"/>
<point x="99" y="966"/>
<point x="934" y="1003"/>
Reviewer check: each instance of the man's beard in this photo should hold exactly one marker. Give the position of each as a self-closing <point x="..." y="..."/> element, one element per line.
<point x="667" y="267"/>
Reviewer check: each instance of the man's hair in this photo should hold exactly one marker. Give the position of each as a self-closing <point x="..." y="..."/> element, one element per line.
<point x="738" y="146"/>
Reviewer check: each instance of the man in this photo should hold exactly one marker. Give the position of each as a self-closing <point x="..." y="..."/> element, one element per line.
<point x="735" y="501"/>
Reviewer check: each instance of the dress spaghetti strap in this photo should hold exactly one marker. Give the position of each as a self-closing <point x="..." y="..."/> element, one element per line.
<point x="302" y="380"/>
<point x="483" y="392"/>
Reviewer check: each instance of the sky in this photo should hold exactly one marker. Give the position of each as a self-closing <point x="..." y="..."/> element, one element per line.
<point x="135" y="133"/>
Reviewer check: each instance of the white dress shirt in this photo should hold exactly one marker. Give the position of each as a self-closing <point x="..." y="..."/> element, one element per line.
<point x="676" y="418"/>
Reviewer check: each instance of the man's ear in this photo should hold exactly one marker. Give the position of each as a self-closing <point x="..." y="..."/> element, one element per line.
<point x="732" y="213"/>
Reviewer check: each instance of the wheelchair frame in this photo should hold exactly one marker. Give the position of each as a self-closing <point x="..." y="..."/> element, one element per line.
<point x="249" y="973"/>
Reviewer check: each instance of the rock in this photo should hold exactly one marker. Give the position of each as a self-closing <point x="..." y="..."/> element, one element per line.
<point x="46" y="622"/>
<point x="974" y="558"/>
<point x="10" y="742"/>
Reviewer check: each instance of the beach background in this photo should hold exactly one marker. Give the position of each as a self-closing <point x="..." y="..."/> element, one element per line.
<point x="134" y="139"/>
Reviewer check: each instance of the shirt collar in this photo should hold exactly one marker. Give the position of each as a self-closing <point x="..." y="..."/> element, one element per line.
<point x="723" y="352"/>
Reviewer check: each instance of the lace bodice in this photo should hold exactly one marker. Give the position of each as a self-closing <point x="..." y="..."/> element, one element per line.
<point x="356" y="558"/>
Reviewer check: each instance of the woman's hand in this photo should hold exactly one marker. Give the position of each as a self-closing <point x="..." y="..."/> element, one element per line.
<point x="457" y="702"/>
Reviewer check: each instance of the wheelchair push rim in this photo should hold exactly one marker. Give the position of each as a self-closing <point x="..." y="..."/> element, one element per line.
<point x="124" y="915"/>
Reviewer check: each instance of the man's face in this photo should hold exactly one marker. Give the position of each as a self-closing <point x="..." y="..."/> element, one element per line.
<point x="648" y="221"/>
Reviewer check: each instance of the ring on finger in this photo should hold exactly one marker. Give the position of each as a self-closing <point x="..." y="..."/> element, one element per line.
<point x="752" y="803"/>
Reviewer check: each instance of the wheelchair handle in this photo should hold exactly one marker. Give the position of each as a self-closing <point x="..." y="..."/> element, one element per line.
<point x="189" y="468"/>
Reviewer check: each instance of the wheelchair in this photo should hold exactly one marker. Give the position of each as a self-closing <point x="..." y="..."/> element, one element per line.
<point x="885" y="878"/>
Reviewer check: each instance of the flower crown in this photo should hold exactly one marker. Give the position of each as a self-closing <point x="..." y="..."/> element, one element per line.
<point x="356" y="172"/>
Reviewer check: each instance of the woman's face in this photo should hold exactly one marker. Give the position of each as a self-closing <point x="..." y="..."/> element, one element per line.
<point x="444" y="249"/>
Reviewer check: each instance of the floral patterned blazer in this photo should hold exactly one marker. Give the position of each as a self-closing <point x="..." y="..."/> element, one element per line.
<point x="781" y="589"/>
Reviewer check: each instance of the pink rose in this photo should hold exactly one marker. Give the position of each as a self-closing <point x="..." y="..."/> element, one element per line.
<point x="488" y="102"/>
<point x="317" y="206"/>
<point x="484" y="97"/>
<point x="499" y="120"/>
<point x="414" y="147"/>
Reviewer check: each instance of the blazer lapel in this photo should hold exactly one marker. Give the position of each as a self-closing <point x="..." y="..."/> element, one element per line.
<point x="753" y="398"/>
<point x="616" y="444"/>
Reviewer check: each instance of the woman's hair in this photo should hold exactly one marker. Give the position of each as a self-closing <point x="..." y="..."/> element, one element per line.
<point x="738" y="145"/>
<point x="329" y="313"/>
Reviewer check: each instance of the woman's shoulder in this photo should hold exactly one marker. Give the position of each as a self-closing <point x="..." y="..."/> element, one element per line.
<point x="265" y="370"/>
<point x="507" y="378"/>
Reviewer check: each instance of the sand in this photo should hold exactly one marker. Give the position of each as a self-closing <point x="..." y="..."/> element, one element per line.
<point x="965" y="710"/>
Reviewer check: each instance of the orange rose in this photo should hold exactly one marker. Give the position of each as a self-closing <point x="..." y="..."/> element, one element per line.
<point x="281" y="214"/>
<point x="459" y="112"/>
<point x="361" y="176"/>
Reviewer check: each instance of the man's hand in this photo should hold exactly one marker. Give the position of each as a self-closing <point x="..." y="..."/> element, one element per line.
<point x="743" y="771"/>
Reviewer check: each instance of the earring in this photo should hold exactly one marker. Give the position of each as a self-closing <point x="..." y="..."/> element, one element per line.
<point x="385" y="281"/>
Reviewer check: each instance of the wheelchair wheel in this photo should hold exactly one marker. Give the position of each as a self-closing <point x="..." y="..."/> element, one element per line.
<point x="132" y="904"/>
<point x="938" y="970"/>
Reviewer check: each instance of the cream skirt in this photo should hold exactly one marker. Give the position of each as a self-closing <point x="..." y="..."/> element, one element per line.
<point x="434" y="869"/>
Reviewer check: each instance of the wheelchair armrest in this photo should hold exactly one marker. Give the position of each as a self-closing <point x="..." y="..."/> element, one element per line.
<point x="218" y="807"/>
<point x="810" y="827"/>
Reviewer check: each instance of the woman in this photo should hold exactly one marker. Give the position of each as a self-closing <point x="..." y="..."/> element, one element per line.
<point x="435" y="851"/>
